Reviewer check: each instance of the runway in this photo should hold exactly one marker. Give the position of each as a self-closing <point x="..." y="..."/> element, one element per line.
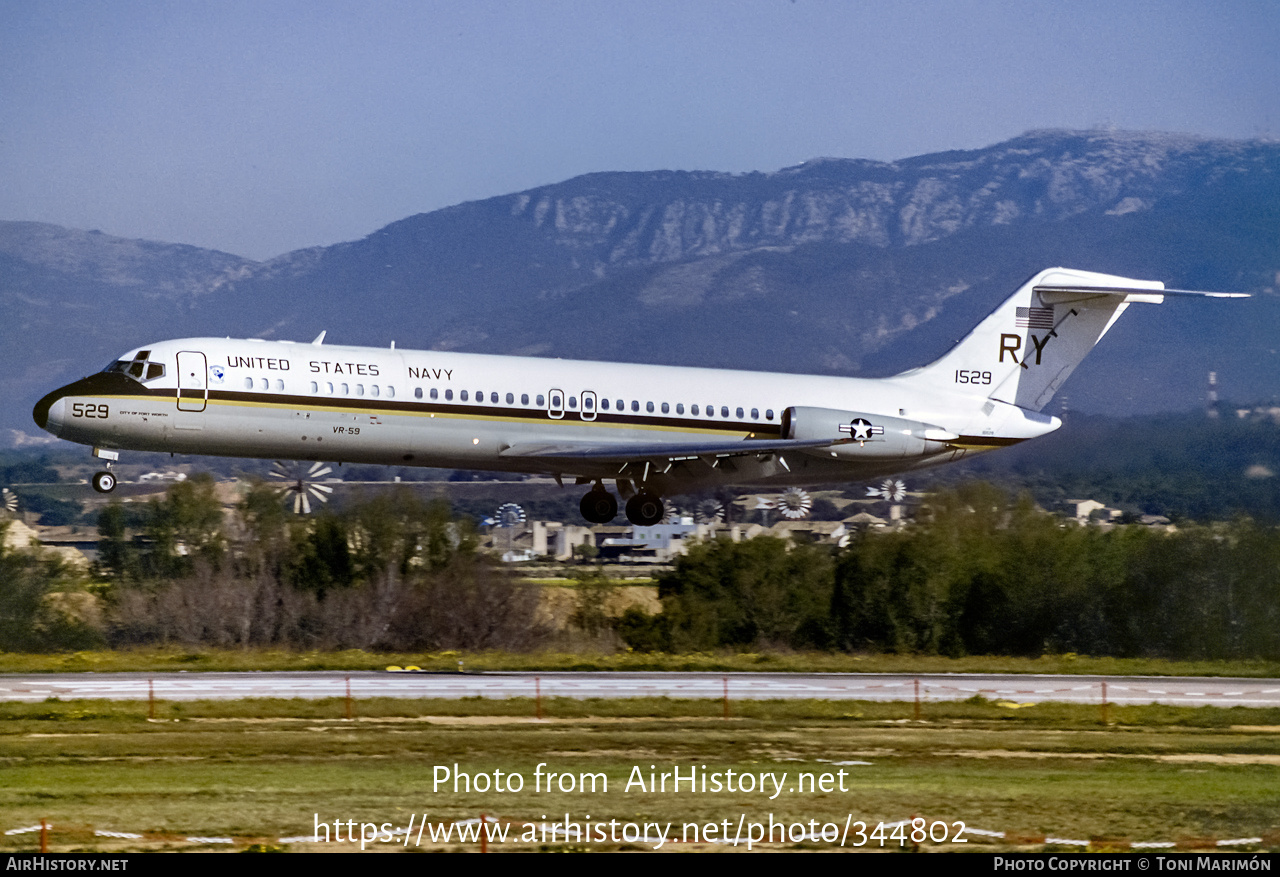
<point x="1178" y="691"/>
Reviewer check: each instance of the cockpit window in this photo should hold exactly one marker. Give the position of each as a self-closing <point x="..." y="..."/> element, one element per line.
<point x="137" y="368"/>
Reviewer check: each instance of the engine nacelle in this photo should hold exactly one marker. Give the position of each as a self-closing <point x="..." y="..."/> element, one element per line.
<point x="857" y="435"/>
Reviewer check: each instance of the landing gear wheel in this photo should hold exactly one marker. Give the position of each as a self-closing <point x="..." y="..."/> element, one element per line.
<point x="644" y="509"/>
<point x="599" y="507"/>
<point x="104" y="482"/>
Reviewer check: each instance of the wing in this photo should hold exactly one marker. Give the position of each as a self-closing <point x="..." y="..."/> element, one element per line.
<point x="567" y="453"/>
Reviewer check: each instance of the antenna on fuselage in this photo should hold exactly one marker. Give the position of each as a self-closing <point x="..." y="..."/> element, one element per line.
<point x="320" y="338"/>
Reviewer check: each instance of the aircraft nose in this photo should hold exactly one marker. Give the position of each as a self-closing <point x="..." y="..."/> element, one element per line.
<point x="49" y="412"/>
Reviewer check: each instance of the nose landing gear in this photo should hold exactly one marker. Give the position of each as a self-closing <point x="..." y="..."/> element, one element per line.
<point x="105" y="482"/>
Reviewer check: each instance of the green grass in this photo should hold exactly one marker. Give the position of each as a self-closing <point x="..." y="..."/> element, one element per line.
<point x="258" y="770"/>
<point x="164" y="659"/>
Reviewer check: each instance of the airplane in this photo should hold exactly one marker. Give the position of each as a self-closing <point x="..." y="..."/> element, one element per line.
<point x="652" y="430"/>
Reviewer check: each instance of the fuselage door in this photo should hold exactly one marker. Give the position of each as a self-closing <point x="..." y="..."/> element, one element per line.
<point x="555" y="404"/>
<point x="588" y="405"/>
<point x="193" y="384"/>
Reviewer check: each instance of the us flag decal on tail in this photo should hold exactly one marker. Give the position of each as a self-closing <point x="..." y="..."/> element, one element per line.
<point x="1035" y="318"/>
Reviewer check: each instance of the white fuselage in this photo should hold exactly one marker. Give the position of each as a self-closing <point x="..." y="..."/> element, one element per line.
<point x="280" y="399"/>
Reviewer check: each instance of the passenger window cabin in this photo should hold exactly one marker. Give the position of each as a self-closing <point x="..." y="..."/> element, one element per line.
<point x="139" y="369"/>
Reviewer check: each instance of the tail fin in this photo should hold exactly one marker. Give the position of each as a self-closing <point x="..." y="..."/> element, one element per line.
<point x="1024" y="351"/>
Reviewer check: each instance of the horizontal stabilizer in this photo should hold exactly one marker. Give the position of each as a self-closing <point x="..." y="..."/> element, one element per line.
<point x="1135" y="294"/>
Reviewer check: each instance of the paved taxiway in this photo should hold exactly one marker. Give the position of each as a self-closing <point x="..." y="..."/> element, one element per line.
<point x="1180" y="691"/>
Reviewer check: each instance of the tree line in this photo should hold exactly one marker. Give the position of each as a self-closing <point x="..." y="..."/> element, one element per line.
<point x="977" y="572"/>
<point x="980" y="572"/>
<point x="388" y="572"/>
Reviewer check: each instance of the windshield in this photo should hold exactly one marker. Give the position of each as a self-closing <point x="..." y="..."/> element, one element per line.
<point x="137" y="368"/>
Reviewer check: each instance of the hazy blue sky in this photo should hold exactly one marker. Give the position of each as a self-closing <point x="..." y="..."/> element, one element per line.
<point x="260" y="127"/>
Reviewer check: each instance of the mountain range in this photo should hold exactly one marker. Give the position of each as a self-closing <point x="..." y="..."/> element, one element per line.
<point x="834" y="266"/>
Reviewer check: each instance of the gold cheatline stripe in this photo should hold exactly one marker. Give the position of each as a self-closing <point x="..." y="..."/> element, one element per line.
<point x="492" y="418"/>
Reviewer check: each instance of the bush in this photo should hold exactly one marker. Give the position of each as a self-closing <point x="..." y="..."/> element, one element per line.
<point x="643" y="632"/>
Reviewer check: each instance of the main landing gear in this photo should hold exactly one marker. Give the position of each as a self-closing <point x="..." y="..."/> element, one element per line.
<point x="645" y="509"/>
<point x="599" y="507"/>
